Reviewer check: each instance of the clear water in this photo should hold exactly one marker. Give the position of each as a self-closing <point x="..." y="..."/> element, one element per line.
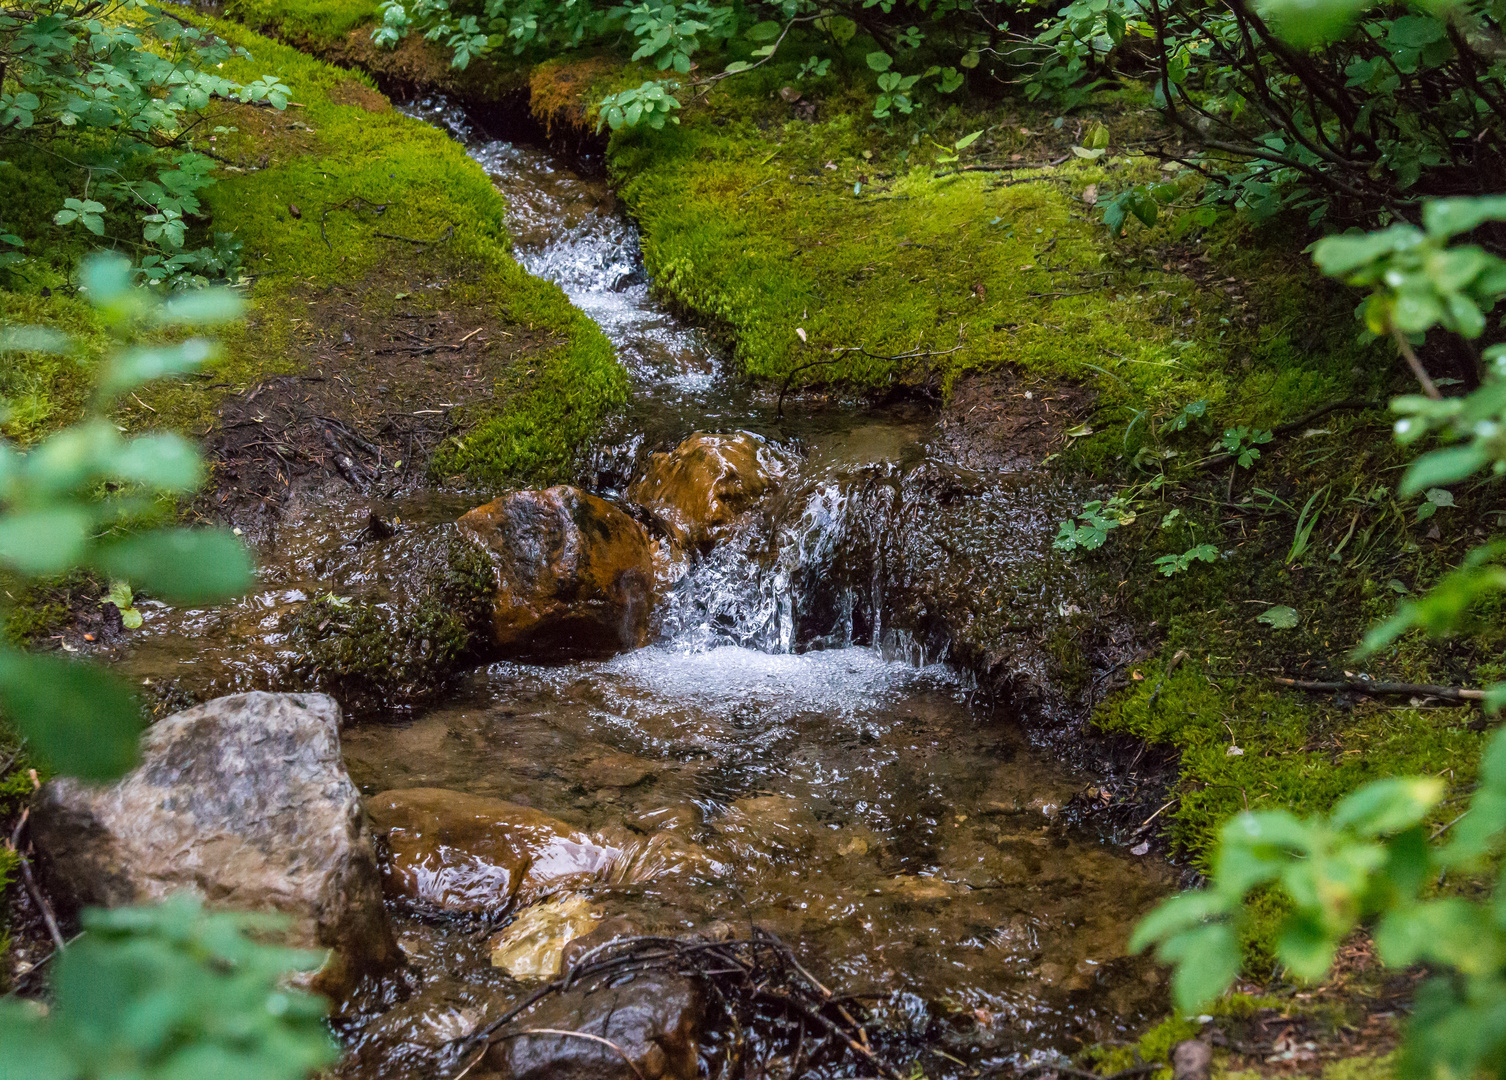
<point x="782" y="754"/>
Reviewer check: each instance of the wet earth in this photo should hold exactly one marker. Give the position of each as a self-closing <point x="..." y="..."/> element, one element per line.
<point x="787" y="753"/>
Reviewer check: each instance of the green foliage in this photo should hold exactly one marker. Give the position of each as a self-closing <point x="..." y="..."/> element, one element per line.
<point x="1176" y="564"/>
<point x="1343" y="108"/>
<point x="169" y="993"/>
<point x="1091" y="525"/>
<point x="1368" y="862"/>
<point x="676" y="35"/>
<point x="69" y="502"/>
<point x="112" y="95"/>
<point x="649" y="105"/>
<point x="1242" y="444"/>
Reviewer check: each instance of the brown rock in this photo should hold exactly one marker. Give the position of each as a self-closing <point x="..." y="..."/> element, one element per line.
<point x="610" y="930"/>
<point x="705" y="484"/>
<point x="574" y="573"/>
<point x="654" y="1019"/>
<point x="533" y="945"/>
<point x="471" y="853"/>
<point x="243" y="800"/>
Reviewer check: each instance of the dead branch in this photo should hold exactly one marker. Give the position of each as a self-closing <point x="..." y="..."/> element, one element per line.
<point x="1372" y="688"/>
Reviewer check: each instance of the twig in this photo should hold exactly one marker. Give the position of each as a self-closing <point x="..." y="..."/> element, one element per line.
<point x="1354" y="404"/>
<point x="31" y="883"/>
<point x="579" y="1035"/>
<point x="1005" y="168"/>
<point x="1378" y="689"/>
<point x="1146" y="823"/>
<point x="441" y="238"/>
<point x="915" y="354"/>
<point x="353" y="201"/>
<point x="1415" y="364"/>
<point x="4" y="769"/>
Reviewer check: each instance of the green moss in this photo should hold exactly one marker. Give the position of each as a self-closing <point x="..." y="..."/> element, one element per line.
<point x="313" y="188"/>
<point x="310" y="21"/>
<point x="377" y="653"/>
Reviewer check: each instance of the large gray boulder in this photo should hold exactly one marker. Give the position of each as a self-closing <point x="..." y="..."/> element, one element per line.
<point x="245" y="801"/>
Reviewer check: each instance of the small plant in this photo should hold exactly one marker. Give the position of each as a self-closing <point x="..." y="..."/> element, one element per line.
<point x="1370" y="862"/>
<point x="1307" y="521"/>
<point x="1176" y="564"/>
<point x="159" y="993"/>
<point x="1090" y="526"/>
<point x="164" y="992"/>
<point x="67" y="502"/>
<point x="108" y="90"/>
<point x="950" y="155"/>
<point x="650" y="105"/>
<point x="1241" y="443"/>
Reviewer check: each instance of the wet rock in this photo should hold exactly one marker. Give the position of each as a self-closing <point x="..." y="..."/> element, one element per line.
<point x="768" y="823"/>
<point x="614" y="770"/>
<point x="574" y="573"/>
<point x="245" y="801"/>
<point x="470" y="853"/>
<point x="608" y="931"/>
<point x="701" y="487"/>
<point x="533" y="945"/>
<point x="654" y="1019"/>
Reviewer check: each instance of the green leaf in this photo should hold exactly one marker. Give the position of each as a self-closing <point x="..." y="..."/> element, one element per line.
<point x="1279" y="617"/>
<point x="45" y="541"/>
<point x="33" y="339"/>
<point x="1451" y="217"/>
<point x="763" y="31"/>
<point x="30" y="1046"/>
<point x="166" y="462"/>
<point x="1388" y="806"/>
<point x="180" y="565"/>
<point x="1308" y="23"/>
<point x="1451" y="931"/>
<point x="1442" y="467"/>
<point x="880" y="60"/>
<point x="1207" y="961"/>
<point x="967" y="140"/>
<point x="1304" y="947"/>
<point x="202" y="307"/>
<point x="80" y="719"/>
<point x="1173" y="916"/>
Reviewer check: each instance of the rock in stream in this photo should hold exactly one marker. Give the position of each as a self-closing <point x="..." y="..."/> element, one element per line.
<point x="245" y="801"/>
<point x="574" y="573"/>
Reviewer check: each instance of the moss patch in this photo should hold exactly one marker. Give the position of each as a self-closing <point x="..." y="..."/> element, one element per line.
<point x="344" y="188"/>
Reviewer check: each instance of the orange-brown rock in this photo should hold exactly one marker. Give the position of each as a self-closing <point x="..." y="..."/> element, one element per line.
<point x="574" y="573"/>
<point x="701" y="487"/>
<point x="471" y="853"/>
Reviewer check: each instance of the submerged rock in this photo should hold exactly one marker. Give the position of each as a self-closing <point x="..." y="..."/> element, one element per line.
<point x="245" y="801"/>
<point x="701" y="487"/>
<point x="654" y="1019"/>
<point x="533" y="946"/>
<point x="574" y="573"/>
<point x="471" y="853"/>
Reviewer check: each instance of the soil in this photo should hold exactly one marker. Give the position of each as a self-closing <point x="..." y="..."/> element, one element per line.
<point x="1006" y="420"/>
<point x="379" y="392"/>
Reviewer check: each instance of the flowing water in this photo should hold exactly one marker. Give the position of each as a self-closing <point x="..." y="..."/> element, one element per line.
<point x="791" y="751"/>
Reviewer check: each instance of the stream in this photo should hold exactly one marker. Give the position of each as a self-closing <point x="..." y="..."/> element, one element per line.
<point x="789" y="751"/>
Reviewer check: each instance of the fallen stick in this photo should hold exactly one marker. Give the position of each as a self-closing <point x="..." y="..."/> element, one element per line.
<point x="1372" y="688"/>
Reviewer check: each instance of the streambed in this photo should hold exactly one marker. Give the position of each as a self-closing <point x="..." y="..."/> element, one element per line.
<point x="805" y="753"/>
